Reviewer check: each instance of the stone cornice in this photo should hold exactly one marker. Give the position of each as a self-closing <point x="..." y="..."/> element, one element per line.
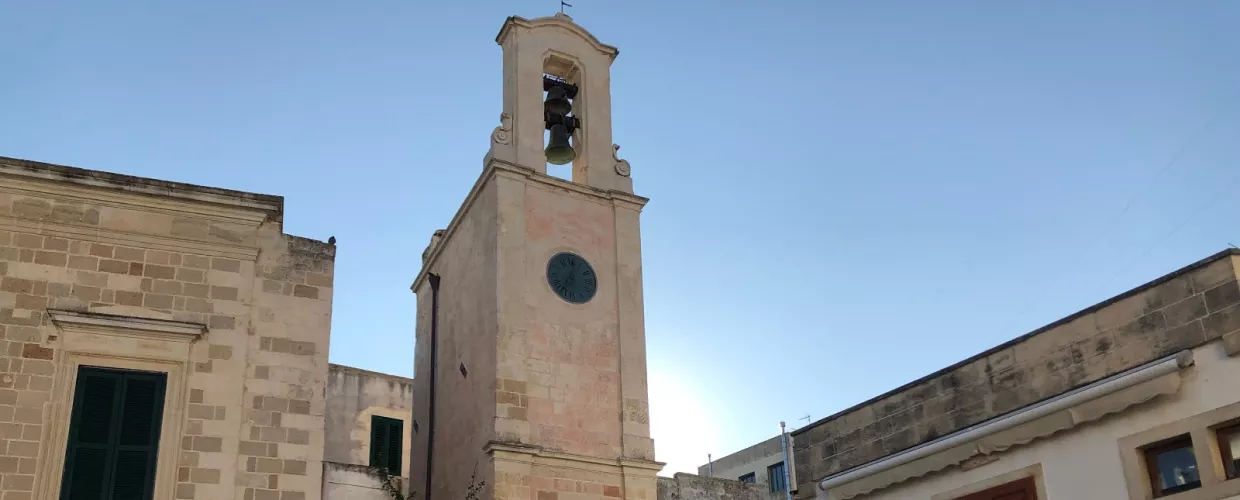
<point x="106" y="186"/>
<point x="495" y="168"/>
<point x="540" y="452"/>
<point x="333" y="367"/>
<point x="560" y="20"/>
<point x="126" y="238"/>
<point x="180" y="331"/>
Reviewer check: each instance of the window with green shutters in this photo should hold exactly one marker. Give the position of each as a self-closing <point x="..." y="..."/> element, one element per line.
<point x="386" y="443"/>
<point x="113" y="435"/>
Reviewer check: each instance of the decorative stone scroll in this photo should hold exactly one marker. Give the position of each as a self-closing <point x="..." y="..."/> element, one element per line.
<point x="622" y="166"/>
<point x="503" y="133"/>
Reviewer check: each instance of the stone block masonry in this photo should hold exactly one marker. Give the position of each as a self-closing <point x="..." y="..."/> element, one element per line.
<point x="1183" y="310"/>
<point x="250" y="420"/>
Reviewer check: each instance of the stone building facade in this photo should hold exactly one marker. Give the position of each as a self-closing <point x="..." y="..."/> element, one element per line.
<point x="357" y="402"/>
<point x="186" y="302"/>
<point x="1131" y="398"/>
<point x="762" y="464"/>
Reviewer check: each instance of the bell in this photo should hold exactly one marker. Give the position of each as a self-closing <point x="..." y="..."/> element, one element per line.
<point x="557" y="101"/>
<point x="559" y="151"/>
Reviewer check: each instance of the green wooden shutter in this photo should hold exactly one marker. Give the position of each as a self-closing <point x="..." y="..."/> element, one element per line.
<point x="138" y="441"/>
<point x="395" y="446"/>
<point x="88" y="462"/>
<point x="386" y="443"/>
<point x="113" y="435"/>
<point x="378" y="441"/>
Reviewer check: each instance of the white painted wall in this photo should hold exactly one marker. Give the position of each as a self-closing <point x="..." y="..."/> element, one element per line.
<point x="1084" y="463"/>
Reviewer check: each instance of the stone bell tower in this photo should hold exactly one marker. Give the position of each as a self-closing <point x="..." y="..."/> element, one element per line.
<point x="530" y="365"/>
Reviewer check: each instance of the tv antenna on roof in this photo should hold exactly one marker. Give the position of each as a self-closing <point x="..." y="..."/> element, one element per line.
<point x="564" y="4"/>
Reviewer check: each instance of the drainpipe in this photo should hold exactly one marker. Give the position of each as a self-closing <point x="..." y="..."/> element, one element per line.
<point x="783" y="444"/>
<point x="430" y="423"/>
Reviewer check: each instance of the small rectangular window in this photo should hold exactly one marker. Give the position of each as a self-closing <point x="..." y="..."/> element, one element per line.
<point x="1229" y="448"/>
<point x="1172" y="466"/>
<point x="776" y="477"/>
<point x="386" y="443"/>
<point x="748" y="478"/>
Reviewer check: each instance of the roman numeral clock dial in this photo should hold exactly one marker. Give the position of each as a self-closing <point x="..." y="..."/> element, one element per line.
<point x="572" y="278"/>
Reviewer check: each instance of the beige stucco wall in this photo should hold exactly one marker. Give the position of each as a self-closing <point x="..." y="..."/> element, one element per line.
<point x="245" y="399"/>
<point x="353" y="397"/>
<point x="1085" y="462"/>
<point x="754" y="459"/>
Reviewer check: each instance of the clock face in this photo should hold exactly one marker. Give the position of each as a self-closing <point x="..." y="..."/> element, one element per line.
<point x="572" y="278"/>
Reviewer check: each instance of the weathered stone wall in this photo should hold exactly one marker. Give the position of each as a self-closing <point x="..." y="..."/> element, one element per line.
<point x="252" y="422"/>
<point x="1180" y="311"/>
<point x="573" y="375"/>
<point x="464" y="402"/>
<point x="1085" y="462"/>
<point x="353" y="482"/>
<point x="563" y="358"/>
<point x="286" y="371"/>
<point x="546" y="375"/>
<point x="353" y="397"/>
<point x="692" y="487"/>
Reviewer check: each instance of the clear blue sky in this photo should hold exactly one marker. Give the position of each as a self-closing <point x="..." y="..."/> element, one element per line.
<point x="845" y="195"/>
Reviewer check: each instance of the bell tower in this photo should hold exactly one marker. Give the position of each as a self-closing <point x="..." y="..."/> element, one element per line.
<point x="530" y="361"/>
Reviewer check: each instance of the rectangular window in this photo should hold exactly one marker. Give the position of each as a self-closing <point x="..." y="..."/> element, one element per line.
<point x="748" y="478"/>
<point x="113" y="435"/>
<point x="386" y="443"/>
<point x="775" y="475"/>
<point x="1172" y="466"/>
<point x="1229" y="448"/>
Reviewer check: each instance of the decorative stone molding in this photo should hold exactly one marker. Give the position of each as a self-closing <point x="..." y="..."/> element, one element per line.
<point x="503" y="133"/>
<point x="622" y="166"/>
<point x="95" y="322"/>
<point x="119" y="190"/>
<point x="562" y="21"/>
<point x="173" y="216"/>
<point x="126" y="343"/>
<point x="519" y="452"/>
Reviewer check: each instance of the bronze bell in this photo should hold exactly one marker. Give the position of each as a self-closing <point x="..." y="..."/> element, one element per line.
<point x="557" y="102"/>
<point x="559" y="151"/>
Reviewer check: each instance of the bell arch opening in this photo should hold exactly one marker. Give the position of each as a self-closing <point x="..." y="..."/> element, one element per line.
<point x="562" y="132"/>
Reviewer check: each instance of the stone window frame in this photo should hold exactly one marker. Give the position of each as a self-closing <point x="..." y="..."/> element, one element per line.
<point x="1202" y="429"/>
<point x="1031" y="472"/>
<point x="108" y="341"/>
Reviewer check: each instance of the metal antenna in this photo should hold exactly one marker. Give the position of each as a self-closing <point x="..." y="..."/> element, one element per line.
<point x="564" y="4"/>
